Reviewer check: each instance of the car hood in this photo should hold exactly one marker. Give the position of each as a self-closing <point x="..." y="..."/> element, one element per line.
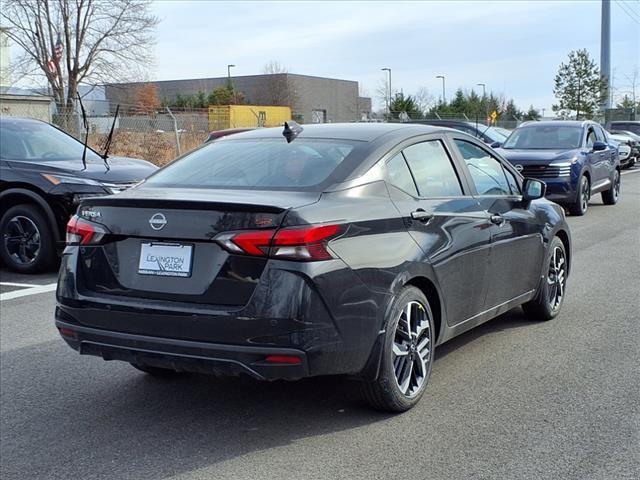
<point x="121" y="169"/>
<point x="543" y="156"/>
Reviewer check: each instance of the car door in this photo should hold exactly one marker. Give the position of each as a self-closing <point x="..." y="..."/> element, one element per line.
<point x="609" y="153"/>
<point x="517" y="246"/>
<point x="597" y="159"/>
<point x="447" y="222"/>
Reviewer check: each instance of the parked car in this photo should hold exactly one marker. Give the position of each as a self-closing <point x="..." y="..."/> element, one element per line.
<point x="354" y="249"/>
<point x="224" y="133"/>
<point x="627" y="148"/>
<point x="42" y="180"/>
<point x="628" y="125"/>
<point x="573" y="158"/>
<point x="635" y="143"/>
<point x="488" y="134"/>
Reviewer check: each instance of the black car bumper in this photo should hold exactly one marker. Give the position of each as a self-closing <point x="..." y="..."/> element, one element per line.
<point x="183" y="355"/>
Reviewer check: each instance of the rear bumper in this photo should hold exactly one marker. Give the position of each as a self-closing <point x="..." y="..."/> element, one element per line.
<point x="184" y="355"/>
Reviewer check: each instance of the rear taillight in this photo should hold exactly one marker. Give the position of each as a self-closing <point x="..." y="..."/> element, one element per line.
<point x="82" y="232"/>
<point x="307" y="243"/>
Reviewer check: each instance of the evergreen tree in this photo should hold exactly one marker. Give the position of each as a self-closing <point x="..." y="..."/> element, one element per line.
<point x="578" y="85"/>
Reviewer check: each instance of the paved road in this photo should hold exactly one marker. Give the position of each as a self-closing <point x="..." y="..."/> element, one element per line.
<point x="510" y="400"/>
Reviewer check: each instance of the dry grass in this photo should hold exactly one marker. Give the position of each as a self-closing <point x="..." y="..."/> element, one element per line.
<point x="158" y="148"/>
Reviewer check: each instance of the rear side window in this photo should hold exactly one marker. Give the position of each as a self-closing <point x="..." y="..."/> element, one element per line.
<point x="256" y="163"/>
<point x="432" y="169"/>
<point x="486" y="171"/>
<point x="400" y="176"/>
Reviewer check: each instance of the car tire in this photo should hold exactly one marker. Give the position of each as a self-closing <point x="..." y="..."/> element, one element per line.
<point x="581" y="204"/>
<point x="610" y="197"/>
<point x="155" y="371"/>
<point x="548" y="301"/>
<point x="27" y="243"/>
<point x="407" y="355"/>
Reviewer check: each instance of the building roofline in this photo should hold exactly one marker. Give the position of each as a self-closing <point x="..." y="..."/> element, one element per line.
<point x="232" y="77"/>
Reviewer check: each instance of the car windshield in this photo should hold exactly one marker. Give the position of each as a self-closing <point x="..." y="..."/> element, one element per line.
<point x="540" y="137"/>
<point x="492" y="133"/>
<point x="256" y="164"/>
<point x="39" y="141"/>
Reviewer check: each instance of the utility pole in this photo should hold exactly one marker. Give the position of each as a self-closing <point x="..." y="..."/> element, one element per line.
<point x="230" y="84"/>
<point x="605" y="49"/>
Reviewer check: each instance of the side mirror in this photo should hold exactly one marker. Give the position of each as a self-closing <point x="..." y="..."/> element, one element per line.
<point x="533" y="189"/>
<point x="496" y="145"/>
<point x="599" y="146"/>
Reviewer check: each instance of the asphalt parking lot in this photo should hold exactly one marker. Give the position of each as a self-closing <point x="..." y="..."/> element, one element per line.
<point x="510" y="399"/>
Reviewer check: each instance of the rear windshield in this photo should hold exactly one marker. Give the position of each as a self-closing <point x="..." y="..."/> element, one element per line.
<point x="555" y="137"/>
<point x="256" y="164"/>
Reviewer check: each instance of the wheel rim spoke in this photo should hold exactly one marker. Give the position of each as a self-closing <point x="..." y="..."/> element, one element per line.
<point x="22" y="240"/>
<point x="411" y="348"/>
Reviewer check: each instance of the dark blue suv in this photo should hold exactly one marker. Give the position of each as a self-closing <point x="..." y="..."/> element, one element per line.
<point x="574" y="159"/>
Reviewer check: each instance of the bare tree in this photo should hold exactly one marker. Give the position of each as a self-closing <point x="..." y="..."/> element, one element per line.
<point x="73" y="41"/>
<point x="279" y="87"/>
<point x="424" y="99"/>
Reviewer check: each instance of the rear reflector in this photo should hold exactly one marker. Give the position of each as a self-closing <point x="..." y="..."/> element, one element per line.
<point x="307" y="243"/>
<point x="288" y="359"/>
<point x="67" y="332"/>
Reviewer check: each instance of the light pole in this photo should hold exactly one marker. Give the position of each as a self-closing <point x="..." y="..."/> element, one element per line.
<point x="230" y="85"/>
<point x="543" y="113"/>
<point x="484" y="91"/>
<point x="444" y="97"/>
<point x="388" y="70"/>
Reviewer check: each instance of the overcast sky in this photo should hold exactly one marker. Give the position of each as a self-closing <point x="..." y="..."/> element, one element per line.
<point x="514" y="47"/>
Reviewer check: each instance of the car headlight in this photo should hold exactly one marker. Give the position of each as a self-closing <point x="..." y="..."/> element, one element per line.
<point x="58" y="179"/>
<point x="565" y="162"/>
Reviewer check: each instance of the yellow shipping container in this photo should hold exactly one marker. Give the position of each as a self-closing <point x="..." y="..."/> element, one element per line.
<point x="240" y="116"/>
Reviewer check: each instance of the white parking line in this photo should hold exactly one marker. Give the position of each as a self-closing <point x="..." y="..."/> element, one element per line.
<point x="13" y="284"/>
<point x="28" y="291"/>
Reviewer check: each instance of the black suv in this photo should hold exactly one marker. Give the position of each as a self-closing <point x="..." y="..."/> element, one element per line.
<point x="42" y="179"/>
<point x="626" y="125"/>
<point x="488" y="134"/>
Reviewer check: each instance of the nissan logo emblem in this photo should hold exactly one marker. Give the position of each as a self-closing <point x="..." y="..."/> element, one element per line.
<point x="519" y="168"/>
<point x="158" y="221"/>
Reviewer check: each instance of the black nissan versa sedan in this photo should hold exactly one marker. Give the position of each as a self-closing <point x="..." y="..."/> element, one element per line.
<point x="42" y="179"/>
<point x="354" y="249"/>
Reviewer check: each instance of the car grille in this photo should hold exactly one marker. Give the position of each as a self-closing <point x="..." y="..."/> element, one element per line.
<point x="545" y="171"/>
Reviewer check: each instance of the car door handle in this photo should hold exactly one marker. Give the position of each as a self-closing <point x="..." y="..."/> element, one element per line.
<point x="496" y="219"/>
<point x="421" y="215"/>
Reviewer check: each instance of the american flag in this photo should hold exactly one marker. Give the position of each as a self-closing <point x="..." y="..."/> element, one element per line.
<point x="57" y="49"/>
<point x="55" y="59"/>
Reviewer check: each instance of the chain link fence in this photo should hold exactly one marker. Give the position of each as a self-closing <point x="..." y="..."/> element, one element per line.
<point x="507" y="122"/>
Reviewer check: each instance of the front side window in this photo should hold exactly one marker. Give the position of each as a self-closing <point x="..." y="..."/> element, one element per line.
<point x="432" y="169"/>
<point x="486" y="171"/>
<point x="400" y="176"/>
<point x="591" y="137"/>
<point x="268" y="163"/>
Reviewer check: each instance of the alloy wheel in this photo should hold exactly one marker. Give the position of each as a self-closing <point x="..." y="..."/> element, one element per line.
<point x="616" y="185"/>
<point x="556" y="278"/>
<point x="412" y="348"/>
<point x="22" y="240"/>
<point x="585" y="195"/>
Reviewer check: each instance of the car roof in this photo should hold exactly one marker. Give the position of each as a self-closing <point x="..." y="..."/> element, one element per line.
<point x="563" y="123"/>
<point x="366" y="132"/>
